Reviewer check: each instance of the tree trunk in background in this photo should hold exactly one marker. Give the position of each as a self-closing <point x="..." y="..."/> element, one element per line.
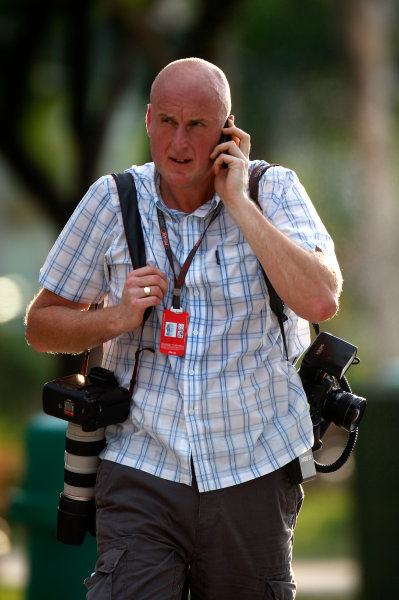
<point x="376" y="237"/>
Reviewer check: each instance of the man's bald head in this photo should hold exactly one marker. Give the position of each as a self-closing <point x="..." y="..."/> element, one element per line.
<point x="193" y="73"/>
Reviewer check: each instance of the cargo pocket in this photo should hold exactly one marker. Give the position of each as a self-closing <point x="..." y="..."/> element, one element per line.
<point x="284" y="589"/>
<point x="293" y="496"/>
<point x="106" y="580"/>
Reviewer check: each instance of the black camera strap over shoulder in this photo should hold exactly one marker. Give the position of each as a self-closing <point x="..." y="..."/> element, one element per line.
<point x="131" y="221"/>
<point x="135" y="242"/>
<point x="131" y="218"/>
<point x="276" y="304"/>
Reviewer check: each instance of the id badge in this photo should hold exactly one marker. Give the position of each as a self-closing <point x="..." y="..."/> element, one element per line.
<point x="174" y="332"/>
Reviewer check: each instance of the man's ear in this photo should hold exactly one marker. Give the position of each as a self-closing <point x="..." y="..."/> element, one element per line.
<point x="148" y="118"/>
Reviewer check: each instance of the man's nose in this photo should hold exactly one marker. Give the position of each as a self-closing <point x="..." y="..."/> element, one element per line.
<point x="181" y="137"/>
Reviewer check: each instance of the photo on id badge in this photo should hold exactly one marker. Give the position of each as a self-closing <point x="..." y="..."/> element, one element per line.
<point x="174" y="332"/>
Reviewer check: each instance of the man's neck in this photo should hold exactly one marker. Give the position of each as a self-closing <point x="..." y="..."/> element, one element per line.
<point x="185" y="200"/>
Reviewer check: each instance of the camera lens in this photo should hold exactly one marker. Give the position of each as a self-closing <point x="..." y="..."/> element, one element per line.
<point x="76" y="511"/>
<point x="74" y="518"/>
<point x="343" y="409"/>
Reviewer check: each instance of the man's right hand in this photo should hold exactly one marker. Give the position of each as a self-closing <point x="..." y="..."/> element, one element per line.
<point x="144" y="287"/>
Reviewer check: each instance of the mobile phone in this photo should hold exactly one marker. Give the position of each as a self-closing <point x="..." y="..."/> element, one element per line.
<point x="225" y="138"/>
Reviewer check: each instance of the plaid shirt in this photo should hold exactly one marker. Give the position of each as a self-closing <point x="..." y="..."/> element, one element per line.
<point x="233" y="402"/>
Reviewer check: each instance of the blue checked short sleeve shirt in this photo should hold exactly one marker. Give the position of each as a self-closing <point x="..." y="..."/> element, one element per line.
<point x="233" y="403"/>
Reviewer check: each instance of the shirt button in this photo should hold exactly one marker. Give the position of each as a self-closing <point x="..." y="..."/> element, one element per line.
<point x="196" y="293"/>
<point x="191" y="372"/>
<point x="195" y="332"/>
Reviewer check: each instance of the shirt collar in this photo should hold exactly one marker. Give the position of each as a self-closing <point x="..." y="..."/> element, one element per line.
<point x="202" y="212"/>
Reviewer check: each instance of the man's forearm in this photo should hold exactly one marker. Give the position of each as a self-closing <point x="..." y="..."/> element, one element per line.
<point x="60" y="329"/>
<point x="303" y="279"/>
<point x="55" y="324"/>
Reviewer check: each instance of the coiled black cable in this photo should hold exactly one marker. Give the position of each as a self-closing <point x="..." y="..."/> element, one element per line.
<point x="350" y="445"/>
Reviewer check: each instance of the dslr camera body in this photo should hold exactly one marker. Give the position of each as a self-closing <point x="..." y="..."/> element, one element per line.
<point x="330" y="399"/>
<point x="92" y="401"/>
<point x="89" y="403"/>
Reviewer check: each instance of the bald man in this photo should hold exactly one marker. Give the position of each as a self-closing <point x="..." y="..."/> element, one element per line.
<point x="192" y="492"/>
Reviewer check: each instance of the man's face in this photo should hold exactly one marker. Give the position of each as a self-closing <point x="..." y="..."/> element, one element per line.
<point x="184" y="124"/>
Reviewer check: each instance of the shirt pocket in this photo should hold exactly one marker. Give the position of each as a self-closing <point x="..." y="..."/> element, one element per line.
<point x="240" y="286"/>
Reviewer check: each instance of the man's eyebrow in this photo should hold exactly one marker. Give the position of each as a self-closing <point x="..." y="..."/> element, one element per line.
<point x="164" y="115"/>
<point x="198" y="119"/>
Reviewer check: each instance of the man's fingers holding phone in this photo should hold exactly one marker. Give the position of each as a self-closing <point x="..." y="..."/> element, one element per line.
<point x="230" y="133"/>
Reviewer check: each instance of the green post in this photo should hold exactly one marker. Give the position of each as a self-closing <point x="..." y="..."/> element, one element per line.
<point x="56" y="569"/>
<point x="377" y="487"/>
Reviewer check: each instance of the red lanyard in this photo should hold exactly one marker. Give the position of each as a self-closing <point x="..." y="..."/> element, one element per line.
<point x="179" y="280"/>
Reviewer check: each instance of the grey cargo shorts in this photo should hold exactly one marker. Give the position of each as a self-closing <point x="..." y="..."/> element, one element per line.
<point x="158" y="539"/>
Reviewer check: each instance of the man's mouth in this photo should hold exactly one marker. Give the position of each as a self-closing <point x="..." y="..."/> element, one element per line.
<point x="181" y="161"/>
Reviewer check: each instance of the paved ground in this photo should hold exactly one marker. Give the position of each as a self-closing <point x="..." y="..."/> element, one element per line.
<point x="327" y="578"/>
<point x="315" y="578"/>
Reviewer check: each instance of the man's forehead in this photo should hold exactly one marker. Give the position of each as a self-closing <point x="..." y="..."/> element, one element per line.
<point x="204" y="111"/>
<point x="185" y="92"/>
<point x="196" y="107"/>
